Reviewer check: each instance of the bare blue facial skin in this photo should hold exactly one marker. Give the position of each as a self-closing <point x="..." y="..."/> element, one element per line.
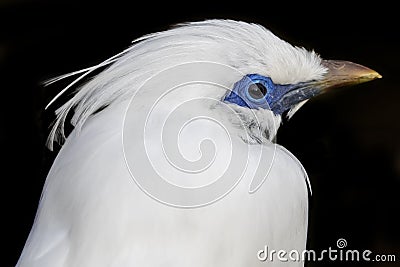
<point x="275" y="97"/>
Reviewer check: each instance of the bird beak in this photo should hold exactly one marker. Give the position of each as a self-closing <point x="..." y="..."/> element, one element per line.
<point x="339" y="73"/>
<point x="343" y="73"/>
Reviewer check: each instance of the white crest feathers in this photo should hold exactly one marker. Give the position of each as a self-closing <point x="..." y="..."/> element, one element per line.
<point x="250" y="48"/>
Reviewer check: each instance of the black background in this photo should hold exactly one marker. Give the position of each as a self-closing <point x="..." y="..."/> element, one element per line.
<point x="347" y="141"/>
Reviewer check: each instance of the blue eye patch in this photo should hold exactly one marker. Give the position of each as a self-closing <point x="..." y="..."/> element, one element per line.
<point x="256" y="91"/>
<point x="252" y="91"/>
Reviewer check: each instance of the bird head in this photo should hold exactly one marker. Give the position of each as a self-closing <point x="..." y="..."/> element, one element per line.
<point x="270" y="75"/>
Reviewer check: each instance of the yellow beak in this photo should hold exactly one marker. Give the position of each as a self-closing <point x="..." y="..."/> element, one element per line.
<point x="343" y="73"/>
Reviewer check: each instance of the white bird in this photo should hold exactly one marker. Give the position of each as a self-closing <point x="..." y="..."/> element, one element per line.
<point x="172" y="160"/>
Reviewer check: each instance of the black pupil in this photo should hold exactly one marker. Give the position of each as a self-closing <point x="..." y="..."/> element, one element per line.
<point x="257" y="90"/>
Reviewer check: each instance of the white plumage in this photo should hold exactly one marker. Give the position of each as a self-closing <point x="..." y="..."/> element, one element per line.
<point x="92" y="213"/>
<point x="249" y="48"/>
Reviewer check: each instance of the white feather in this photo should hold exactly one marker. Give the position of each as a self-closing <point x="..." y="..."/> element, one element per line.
<point x="93" y="214"/>
<point x="104" y="219"/>
<point x="294" y="109"/>
<point x="250" y="48"/>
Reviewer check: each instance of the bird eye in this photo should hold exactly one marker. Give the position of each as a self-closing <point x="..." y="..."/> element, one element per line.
<point x="257" y="90"/>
